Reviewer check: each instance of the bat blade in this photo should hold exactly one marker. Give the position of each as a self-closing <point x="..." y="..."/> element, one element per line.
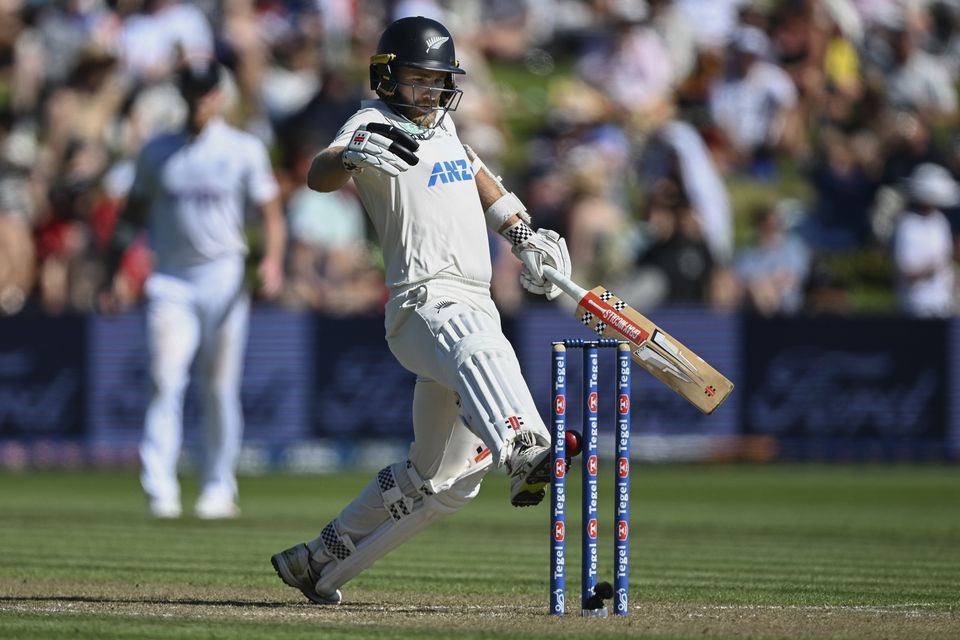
<point x="665" y="357"/>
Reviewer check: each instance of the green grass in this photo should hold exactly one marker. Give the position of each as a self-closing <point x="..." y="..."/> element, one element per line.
<point x="717" y="551"/>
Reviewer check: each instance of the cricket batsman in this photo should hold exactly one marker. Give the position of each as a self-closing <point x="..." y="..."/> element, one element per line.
<point x="431" y="201"/>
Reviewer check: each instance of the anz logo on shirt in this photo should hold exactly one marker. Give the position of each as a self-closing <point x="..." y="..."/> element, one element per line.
<point x="450" y="171"/>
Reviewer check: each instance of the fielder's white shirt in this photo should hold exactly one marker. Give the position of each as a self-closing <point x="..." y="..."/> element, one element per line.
<point x="198" y="188"/>
<point x="429" y="218"/>
<point x="921" y="241"/>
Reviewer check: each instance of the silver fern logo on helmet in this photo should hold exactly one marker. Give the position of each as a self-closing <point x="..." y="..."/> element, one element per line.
<point x="435" y="42"/>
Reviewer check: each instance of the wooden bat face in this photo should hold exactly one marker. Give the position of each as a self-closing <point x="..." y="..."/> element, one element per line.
<point x="654" y="349"/>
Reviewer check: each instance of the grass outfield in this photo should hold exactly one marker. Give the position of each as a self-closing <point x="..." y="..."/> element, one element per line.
<point x="717" y="551"/>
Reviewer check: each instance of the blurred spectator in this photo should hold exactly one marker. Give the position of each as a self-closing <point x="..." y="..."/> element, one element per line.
<point x="630" y="64"/>
<point x="676" y="149"/>
<point x="845" y="189"/>
<point x="16" y="258"/>
<point x="330" y="267"/>
<point x="714" y="20"/>
<point x="923" y="244"/>
<point x="151" y="41"/>
<point x="754" y="104"/>
<point x="774" y="268"/>
<point x="677" y="256"/>
<point x="919" y="80"/>
<point x="678" y="34"/>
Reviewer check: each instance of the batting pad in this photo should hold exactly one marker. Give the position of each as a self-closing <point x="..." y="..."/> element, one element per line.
<point x="494" y="400"/>
<point x="405" y="517"/>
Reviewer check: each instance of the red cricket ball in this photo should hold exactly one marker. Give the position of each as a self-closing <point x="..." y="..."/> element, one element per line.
<point x="574" y="443"/>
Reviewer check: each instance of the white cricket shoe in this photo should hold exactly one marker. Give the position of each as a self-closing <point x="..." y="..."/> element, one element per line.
<point x="215" y="507"/>
<point x="164" y="508"/>
<point x="293" y="567"/>
<point x="529" y="468"/>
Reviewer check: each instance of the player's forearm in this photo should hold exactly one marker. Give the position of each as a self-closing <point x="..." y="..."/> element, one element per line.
<point x="274" y="230"/>
<point x="326" y="171"/>
<point x="508" y="210"/>
<point x="129" y="225"/>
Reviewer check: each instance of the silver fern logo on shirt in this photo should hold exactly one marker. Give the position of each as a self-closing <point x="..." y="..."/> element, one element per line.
<point x="435" y="42"/>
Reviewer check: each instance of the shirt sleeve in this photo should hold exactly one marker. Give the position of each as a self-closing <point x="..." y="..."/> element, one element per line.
<point x="263" y="185"/>
<point x="363" y="116"/>
<point x="143" y="183"/>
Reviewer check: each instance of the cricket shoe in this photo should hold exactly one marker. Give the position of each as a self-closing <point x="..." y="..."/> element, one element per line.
<point x="293" y="567"/>
<point x="216" y="507"/>
<point x="529" y="468"/>
<point x="164" y="508"/>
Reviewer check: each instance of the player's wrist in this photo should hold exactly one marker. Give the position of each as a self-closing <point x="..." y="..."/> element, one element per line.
<point x="504" y="211"/>
<point x="517" y="233"/>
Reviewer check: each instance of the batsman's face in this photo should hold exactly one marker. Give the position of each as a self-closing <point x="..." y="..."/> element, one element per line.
<point x="422" y="89"/>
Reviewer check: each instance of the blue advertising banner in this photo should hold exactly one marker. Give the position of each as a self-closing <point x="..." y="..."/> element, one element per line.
<point x="359" y="388"/>
<point x="42" y="377"/>
<point x="832" y="387"/>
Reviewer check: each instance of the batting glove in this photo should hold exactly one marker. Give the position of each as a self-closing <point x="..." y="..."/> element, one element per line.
<point x="540" y="248"/>
<point x="381" y="146"/>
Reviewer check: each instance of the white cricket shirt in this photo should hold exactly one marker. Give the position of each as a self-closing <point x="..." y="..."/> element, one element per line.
<point x="198" y="188"/>
<point x="429" y="218"/>
<point x="921" y="242"/>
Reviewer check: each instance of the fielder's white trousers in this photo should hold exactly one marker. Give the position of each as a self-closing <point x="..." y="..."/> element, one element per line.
<point x="201" y="314"/>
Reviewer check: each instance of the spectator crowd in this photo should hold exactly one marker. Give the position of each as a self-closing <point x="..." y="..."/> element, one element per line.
<point x="648" y="119"/>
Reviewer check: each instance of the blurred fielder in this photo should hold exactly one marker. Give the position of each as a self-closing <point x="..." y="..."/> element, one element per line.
<point x="191" y="189"/>
<point x="431" y="201"/>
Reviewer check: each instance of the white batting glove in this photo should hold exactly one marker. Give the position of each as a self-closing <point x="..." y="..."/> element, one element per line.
<point x="381" y="146"/>
<point x="537" y="249"/>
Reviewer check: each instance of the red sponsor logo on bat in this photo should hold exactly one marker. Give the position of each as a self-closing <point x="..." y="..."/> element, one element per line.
<point x="614" y="319"/>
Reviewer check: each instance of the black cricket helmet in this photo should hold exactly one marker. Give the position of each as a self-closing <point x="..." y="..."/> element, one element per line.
<point x="420" y="43"/>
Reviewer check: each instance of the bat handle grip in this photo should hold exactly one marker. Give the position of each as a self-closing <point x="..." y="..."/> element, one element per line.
<point x="567" y="285"/>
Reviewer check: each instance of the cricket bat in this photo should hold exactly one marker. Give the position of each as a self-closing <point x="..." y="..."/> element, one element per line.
<point x="651" y="347"/>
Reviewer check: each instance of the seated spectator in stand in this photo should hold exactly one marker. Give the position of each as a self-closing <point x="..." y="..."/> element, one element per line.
<point x="774" y="268"/>
<point x="907" y="144"/>
<point x="919" y="80"/>
<point x="331" y="269"/>
<point x="678" y="34"/>
<point x="755" y="104"/>
<point x="923" y="244"/>
<point x="677" y="258"/>
<point x="845" y="190"/>
<point x="675" y="148"/>
<point x="150" y="41"/>
<point x="631" y="64"/>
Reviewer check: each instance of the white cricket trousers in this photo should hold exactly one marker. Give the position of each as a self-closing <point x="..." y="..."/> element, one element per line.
<point x="196" y="314"/>
<point x="445" y="452"/>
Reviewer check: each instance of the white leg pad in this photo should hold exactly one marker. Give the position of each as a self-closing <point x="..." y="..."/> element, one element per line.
<point x="494" y="399"/>
<point x="404" y="517"/>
